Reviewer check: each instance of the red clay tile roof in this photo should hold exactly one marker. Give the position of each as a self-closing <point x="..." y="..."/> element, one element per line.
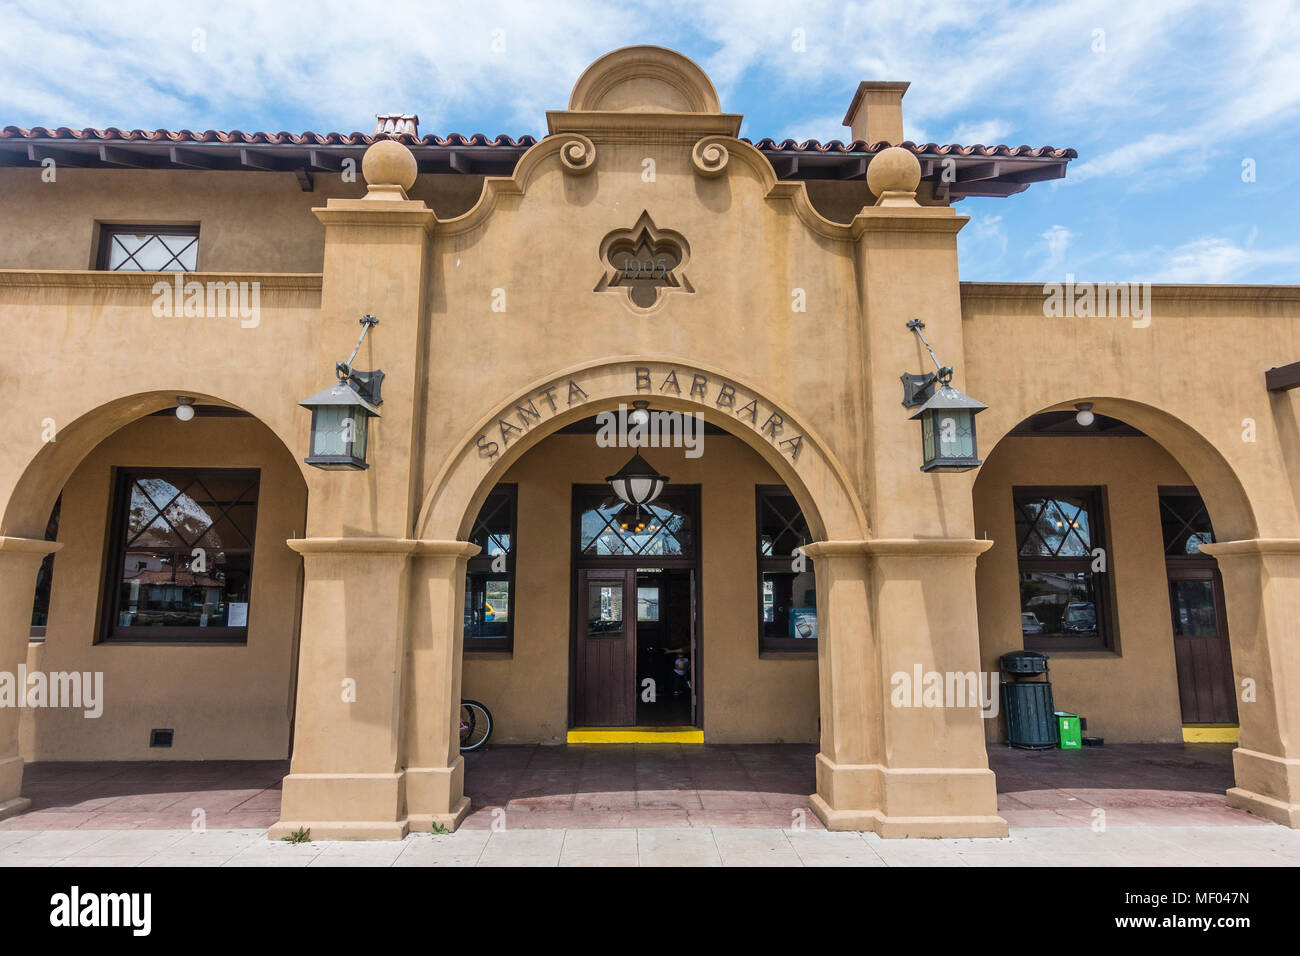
<point x="921" y="149"/>
<point x="113" y="134"/>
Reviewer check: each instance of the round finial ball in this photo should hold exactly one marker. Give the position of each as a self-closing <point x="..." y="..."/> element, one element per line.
<point x="388" y="163"/>
<point x="893" y="169"/>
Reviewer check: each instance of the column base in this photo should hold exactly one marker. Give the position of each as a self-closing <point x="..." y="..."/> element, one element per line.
<point x="897" y="803"/>
<point x="343" y="806"/>
<point x="424" y="822"/>
<point x="13" y="807"/>
<point x="1267" y="786"/>
<point x="340" y="830"/>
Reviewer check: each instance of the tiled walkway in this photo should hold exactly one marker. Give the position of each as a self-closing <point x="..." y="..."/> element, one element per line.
<point x="639" y="787"/>
<point x="667" y="846"/>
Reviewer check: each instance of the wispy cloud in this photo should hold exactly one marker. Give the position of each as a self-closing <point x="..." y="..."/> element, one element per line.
<point x="1162" y="98"/>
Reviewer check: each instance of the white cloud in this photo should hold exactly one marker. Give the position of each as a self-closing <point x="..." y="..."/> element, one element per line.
<point x="1216" y="259"/>
<point x="987" y="133"/>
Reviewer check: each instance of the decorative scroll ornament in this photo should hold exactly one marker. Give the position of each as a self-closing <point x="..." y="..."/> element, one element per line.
<point x="578" y="155"/>
<point x="646" y="261"/>
<point x="709" y="157"/>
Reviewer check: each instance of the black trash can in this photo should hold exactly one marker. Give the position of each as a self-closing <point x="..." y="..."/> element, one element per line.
<point x="1027" y="702"/>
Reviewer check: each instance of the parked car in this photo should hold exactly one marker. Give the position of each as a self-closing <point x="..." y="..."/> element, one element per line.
<point x="1030" y="624"/>
<point x="1079" y="618"/>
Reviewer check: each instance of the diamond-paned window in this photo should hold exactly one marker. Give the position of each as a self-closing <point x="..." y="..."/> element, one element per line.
<point x="667" y="528"/>
<point x="490" y="574"/>
<point x="1185" y="523"/>
<point x="183" y="553"/>
<point x="1057" y="526"/>
<point x="149" y="249"/>
<point x="1065" y="594"/>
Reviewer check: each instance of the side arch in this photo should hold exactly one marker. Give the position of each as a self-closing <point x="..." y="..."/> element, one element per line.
<point x="36" y="483"/>
<point x="815" y="476"/>
<point x="1224" y="495"/>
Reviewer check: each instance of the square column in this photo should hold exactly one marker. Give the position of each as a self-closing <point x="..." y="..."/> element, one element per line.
<point x="435" y="770"/>
<point x="20" y="559"/>
<point x="1261" y="585"/>
<point x="895" y="759"/>
<point x="345" y="776"/>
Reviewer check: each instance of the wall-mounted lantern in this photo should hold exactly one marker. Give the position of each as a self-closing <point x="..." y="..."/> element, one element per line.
<point x="947" y="416"/>
<point x="340" y="414"/>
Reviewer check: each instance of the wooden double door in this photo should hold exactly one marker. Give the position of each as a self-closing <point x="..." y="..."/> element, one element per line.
<point x="627" y="620"/>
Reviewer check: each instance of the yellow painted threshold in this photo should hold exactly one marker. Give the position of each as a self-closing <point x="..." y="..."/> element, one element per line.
<point x="1209" y="733"/>
<point x="636" y="735"/>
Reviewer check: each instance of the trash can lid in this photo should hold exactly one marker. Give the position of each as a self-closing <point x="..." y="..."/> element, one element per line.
<point x="1023" y="662"/>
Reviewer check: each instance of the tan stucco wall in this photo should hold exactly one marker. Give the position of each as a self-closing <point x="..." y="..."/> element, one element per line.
<point x="223" y="702"/>
<point x="1129" y="693"/>
<point x="528" y="691"/>
<point x="248" y="221"/>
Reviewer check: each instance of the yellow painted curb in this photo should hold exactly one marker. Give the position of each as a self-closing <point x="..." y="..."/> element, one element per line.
<point x="1210" y="734"/>
<point x="636" y="735"/>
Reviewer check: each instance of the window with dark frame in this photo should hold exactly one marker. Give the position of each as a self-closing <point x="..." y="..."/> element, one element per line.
<point x="1064" y="591"/>
<point x="787" y="589"/>
<point x="490" y="574"/>
<point x="148" y="248"/>
<point x="1185" y="523"/>
<point x="180" y="565"/>
<point x="45" y="577"/>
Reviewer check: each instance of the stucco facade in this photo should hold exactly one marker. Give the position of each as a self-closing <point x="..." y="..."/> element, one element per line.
<point x="784" y="327"/>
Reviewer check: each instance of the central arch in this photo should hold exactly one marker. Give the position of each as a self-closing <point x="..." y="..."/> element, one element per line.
<point x="818" y="480"/>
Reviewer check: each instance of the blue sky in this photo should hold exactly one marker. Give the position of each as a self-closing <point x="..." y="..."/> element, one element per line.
<point x="1164" y="101"/>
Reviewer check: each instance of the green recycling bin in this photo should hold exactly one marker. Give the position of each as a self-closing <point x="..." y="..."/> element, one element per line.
<point x="1069" y="730"/>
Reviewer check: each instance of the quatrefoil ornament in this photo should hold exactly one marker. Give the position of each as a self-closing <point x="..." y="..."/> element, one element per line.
<point x="645" y="262"/>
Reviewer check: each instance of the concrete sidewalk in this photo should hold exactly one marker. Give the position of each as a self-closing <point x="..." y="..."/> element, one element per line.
<point x="1268" y="845"/>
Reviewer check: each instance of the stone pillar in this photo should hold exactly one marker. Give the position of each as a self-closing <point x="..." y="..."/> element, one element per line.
<point x="435" y="774"/>
<point x="894" y="759"/>
<point x="20" y="559"/>
<point x="848" y="668"/>
<point x="1261" y="583"/>
<point x="903" y="602"/>
<point x="347" y="778"/>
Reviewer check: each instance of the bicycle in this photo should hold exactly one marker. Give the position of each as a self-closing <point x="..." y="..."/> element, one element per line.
<point x="475" y="725"/>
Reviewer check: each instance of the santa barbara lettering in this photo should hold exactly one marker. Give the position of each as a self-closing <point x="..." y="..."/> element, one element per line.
<point x="514" y="422"/>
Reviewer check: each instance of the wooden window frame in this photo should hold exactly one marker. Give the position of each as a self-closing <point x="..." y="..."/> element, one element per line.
<point x="108" y="230"/>
<point x="481" y="563"/>
<point x="110" y="632"/>
<point x="778" y="564"/>
<point x="1107" y="638"/>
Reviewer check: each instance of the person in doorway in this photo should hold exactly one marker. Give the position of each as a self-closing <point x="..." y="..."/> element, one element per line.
<point x="681" y="669"/>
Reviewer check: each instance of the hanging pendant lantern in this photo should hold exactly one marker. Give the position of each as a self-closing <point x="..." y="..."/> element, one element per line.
<point x="637" y="483"/>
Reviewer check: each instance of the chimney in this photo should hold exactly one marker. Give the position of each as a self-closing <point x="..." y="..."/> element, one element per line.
<point x="876" y="113"/>
<point x="395" y="124"/>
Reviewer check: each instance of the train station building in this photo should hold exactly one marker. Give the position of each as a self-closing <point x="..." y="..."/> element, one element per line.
<point x="679" y="436"/>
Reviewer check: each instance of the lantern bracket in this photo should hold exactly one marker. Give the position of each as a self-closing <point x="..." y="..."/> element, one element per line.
<point x="367" y="384"/>
<point x="917" y="389"/>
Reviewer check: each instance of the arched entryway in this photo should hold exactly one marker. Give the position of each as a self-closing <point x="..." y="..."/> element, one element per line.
<point x="1107" y="537"/>
<point x="750" y="430"/>
<point x="171" y="587"/>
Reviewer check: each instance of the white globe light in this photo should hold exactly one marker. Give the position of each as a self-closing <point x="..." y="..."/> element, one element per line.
<point x="185" y="412"/>
<point x="638" y="417"/>
<point x="1085" y="417"/>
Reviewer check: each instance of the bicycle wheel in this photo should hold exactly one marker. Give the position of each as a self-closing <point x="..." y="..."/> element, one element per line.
<point x="475" y="725"/>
